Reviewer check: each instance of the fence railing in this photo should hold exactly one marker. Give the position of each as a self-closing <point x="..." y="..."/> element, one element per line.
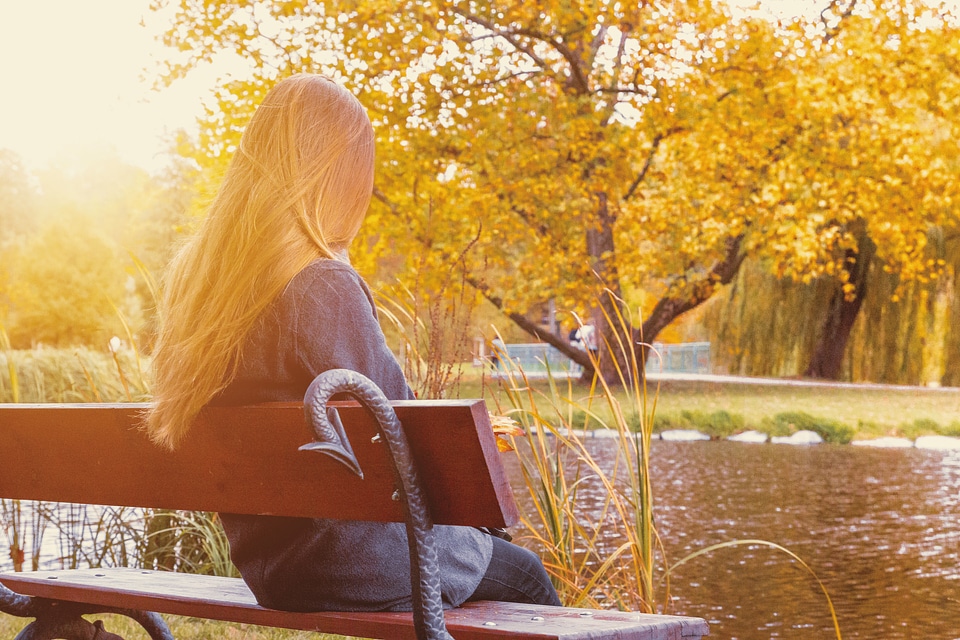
<point x="684" y="357"/>
<point x="537" y="358"/>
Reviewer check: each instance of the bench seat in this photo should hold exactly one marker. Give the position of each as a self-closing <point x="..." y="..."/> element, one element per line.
<point x="229" y="599"/>
<point x="419" y="462"/>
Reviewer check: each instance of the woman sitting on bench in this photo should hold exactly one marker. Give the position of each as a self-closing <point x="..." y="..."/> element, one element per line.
<point x="260" y="301"/>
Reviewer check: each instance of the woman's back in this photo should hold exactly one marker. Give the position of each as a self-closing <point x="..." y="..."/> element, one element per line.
<point x="325" y="319"/>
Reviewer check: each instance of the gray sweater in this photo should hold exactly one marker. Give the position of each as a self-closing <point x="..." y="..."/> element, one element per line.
<point x="326" y="319"/>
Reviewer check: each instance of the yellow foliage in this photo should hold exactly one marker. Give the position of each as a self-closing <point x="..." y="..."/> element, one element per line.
<point x="577" y="146"/>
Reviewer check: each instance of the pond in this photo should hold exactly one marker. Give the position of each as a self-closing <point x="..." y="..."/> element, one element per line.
<point x="879" y="527"/>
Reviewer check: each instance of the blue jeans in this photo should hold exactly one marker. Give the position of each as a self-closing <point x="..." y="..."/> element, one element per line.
<point x="515" y="574"/>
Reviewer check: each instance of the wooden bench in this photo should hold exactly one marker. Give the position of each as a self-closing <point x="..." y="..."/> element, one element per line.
<point x="251" y="460"/>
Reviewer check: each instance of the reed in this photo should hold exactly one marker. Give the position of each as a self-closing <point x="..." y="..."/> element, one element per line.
<point x="777" y="547"/>
<point x="431" y="366"/>
<point x="186" y="541"/>
<point x="13" y="381"/>
<point x="561" y="474"/>
<point x="594" y="523"/>
<point x="79" y="374"/>
<point x="432" y="329"/>
<point x="93" y="536"/>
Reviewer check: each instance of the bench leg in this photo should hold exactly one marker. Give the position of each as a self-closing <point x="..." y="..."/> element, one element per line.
<point x="14" y="604"/>
<point x="153" y="624"/>
<point x="68" y="628"/>
<point x="63" y="620"/>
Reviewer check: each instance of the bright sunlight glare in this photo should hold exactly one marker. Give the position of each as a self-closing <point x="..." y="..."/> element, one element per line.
<point x="74" y="79"/>
<point x="77" y="76"/>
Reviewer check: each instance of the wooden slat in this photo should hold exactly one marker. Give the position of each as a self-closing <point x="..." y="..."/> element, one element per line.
<point x="245" y="460"/>
<point x="229" y="599"/>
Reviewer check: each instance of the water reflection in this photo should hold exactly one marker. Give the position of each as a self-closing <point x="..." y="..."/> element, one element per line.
<point x="880" y="527"/>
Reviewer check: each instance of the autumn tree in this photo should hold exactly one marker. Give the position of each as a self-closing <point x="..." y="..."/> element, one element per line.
<point x="886" y="173"/>
<point x="66" y="287"/>
<point x="905" y="332"/>
<point x="96" y="231"/>
<point x="17" y="217"/>
<point x="586" y="150"/>
<point x="18" y="198"/>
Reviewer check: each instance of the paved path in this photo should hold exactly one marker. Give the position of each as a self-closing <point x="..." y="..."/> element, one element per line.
<point x="792" y="382"/>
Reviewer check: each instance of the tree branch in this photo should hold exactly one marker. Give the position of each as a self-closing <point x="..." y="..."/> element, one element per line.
<point x="539" y="228"/>
<point x="535" y="330"/>
<point x="580" y="81"/>
<point x="560" y="343"/>
<point x="831" y="33"/>
<point x="497" y="31"/>
<point x="657" y="139"/>
<point x="669" y="307"/>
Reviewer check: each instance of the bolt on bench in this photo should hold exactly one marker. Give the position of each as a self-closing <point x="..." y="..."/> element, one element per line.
<point x="405" y="461"/>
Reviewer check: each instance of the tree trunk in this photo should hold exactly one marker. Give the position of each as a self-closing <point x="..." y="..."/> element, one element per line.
<point x="600" y="246"/>
<point x="844" y="308"/>
<point x="669" y="308"/>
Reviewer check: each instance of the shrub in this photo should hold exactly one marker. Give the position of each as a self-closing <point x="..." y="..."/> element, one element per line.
<point x="716" y="424"/>
<point x="785" y="424"/>
<point x="920" y="427"/>
<point x="952" y="430"/>
<point x="663" y="423"/>
<point x="868" y="429"/>
<point x="578" y="419"/>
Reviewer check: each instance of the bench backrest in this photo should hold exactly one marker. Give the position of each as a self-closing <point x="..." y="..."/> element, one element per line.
<point x="246" y="460"/>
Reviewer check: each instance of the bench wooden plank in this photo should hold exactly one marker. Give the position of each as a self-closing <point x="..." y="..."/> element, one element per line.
<point x="245" y="460"/>
<point x="229" y="599"/>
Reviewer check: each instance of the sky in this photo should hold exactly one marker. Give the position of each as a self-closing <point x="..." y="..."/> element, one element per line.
<point x="73" y="76"/>
<point x="76" y="74"/>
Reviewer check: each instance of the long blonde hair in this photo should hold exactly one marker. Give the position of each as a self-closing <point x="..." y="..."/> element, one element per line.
<point x="296" y="190"/>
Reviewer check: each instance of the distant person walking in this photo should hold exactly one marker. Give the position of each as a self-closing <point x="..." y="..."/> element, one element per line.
<point x="584" y="338"/>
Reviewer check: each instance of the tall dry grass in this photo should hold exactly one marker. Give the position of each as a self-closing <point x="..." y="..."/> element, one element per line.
<point x="80" y="374"/>
<point x="594" y="521"/>
<point x="431" y="324"/>
<point x="70" y="536"/>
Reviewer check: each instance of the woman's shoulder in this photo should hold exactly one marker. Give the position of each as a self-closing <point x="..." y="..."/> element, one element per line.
<point x="324" y="273"/>
<point x="326" y="279"/>
<point x="328" y="268"/>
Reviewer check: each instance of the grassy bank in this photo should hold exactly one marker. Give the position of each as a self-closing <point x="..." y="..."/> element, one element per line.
<point x="867" y="411"/>
<point x="871" y="411"/>
<point x="864" y="412"/>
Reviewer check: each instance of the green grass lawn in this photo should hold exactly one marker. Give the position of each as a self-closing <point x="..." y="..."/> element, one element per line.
<point x="870" y="410"/>
<point x="182" y="628"/>
<point x="890" y="408"/>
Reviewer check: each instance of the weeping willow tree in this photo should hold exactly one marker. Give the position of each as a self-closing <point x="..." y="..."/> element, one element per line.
<point x="907" y="330"/>
<point x="951" y="374"/>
